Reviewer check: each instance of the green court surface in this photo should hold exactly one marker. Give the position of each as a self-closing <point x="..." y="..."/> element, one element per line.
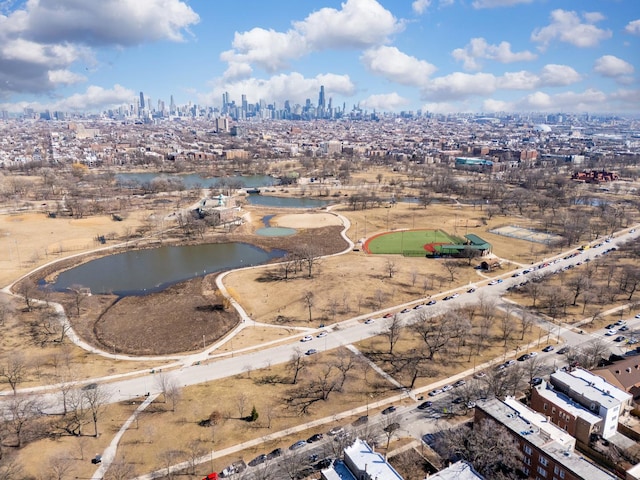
<point x="410" y="242"/>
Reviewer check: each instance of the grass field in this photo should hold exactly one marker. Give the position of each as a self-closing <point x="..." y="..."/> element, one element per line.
<point x="408" y="242"/>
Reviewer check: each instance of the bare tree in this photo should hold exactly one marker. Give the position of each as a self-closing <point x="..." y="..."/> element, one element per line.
<point x="308" y="298"/>
<point x="392" y="332"/>
<point x="120" y="469"/>
<point x="241" y="403"/>
<point x="435" y="333"/>
<point x="14" y="371"/>
<point x="96" y="400"/>
<point x="452" y="267"/>
<point x="59" y="468"/>
<point x="20" y="413"/>
<point x="297" y="363"/>
<point x="506" y="326"/>
<point x="27" y="289"/>
<point x="526" y="323"/>
<point x="391" y="267"/>
<point x="491" y="450"/>
<point x="168" y="458"/>
<point x="194" y="451"/>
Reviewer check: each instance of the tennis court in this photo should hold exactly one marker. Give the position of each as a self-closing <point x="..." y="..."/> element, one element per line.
<point x="525" y="233"/>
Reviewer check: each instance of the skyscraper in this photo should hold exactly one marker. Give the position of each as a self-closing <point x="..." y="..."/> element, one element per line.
<point x="141" y="101"/>
<point x="321" y="100"/>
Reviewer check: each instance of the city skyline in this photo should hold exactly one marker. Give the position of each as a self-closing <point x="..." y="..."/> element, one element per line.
<point x="440" y="56"/>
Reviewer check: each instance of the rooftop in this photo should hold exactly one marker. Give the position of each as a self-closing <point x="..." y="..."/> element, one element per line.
<point x="457" y="471"/>
<point x="548" y="438"/>
<point x="592" y="387"/>
<point x="564" y="402"/>
<point x="367" y="460"/>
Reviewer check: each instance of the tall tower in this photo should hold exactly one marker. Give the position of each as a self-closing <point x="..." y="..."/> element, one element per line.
<point x="141" y="101"/>
<point x="321" y="100"/>
<point x="172" y="106"/>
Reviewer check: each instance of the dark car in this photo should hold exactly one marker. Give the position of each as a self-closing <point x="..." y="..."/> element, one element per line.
<point x="524" y="357"/>
<point x="619" y="338"/>
<point x="563" y="350"/>
<point x="298" y="444"/>
<point x="548" y="348"/>
<point x="389" y="410"/>
<point x="315" y="438"/>
<point x="322" y="464"/>
<point x="431" y="302"/>
<point x="361" y="420"/>
<point x="425" y="405"/>
<point x="392" y="427"/>
<point x="458" y="400"/>
<point x="471" y="290"/>
<point x="97" y="459"/>
<point x="258" y="460"/>
<point x="535" y="381"/>
<point x="274" y="453"/>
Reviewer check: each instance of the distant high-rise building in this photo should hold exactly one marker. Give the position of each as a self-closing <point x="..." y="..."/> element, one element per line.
<point x="172" y="106"/>
<point x="321" y="101"/>
<point x="141" y="101"/>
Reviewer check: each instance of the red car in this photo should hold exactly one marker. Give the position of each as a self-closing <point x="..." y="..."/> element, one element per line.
<point x="387" y="315"/>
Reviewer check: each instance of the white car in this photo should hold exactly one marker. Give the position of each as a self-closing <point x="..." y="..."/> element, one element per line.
<point x="611" y="333"/>
<point x="533" y="354"/>
<point x="322" y="334"/>
<point x="369" y="321"/>
<point x="306" y="338"/>
<point x="493" y="282"/>
<point x="446" y="388"/>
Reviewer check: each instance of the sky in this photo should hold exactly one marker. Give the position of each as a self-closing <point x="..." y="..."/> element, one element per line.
<point x="441" y="56"/>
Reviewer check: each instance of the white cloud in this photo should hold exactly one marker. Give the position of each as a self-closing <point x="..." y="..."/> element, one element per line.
<point x="611" y="66"/>
<point x="41" y="39"/>
<point x="268" y="49"/>
<point x="359" y="24"/>
<point x="478" y="48"/>
<point x="497" y="3"/>
<point x="96" y="98"/>
<point x="553" y="75"/>
<point x="420" y="6"/>
<point x="108" y="22"/>
<point x="589" y="100"/>
<point x="493" y="106"/>
<point x="237" y="70"/>
<point x="65" y="77"/>
<point x="293" y="86"/>
<point x="633" y="27"/>
<point x="462" y="85"/>
<point x="566" y="26"/>
<point x="386" y="102"/>
<point x="397" y="66"/>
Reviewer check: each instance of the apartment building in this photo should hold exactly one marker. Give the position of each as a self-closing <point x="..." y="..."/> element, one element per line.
<point x="360" y="462"/>
<point x="560" y="409"/>
<point x="595" y="394"/>
<point x="548" y="451"/>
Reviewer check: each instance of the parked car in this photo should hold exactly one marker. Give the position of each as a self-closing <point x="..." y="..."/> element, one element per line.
<point x="392" y="427"/>
<point x="311" y="351"/>
<point x="425" y="405"/>
<point x="563" y="350"/>
<point x="258" y="460"/>
<point x="460" y="383"/>
<point x="322" y="335"/>
<point x="306" y="338"/>
<point x="335" y="430"/>
<point x="446" y="388"/>
<point x="274" y="453"/>
<point x="619" y="338"/>
<point x="361" y="420"/>
<point x="611" y="333"/>
<point x="419" y="306"/>
<point x="471" y="290"/>
<point x="458" y="400"/>
<point x="315" y="438"/>
<point x="387" y="315"/>
<point x="479" y="375"/>
<point x="433" y="302"/>
<point x="509" y="363"/>
<point x="523" y="357"/>
<point x="623" y="328"/>
<point x="369" y="321"/>
<point x="389" y="410"/>
<point x="405" y="310"/>
<point x="298" y="444"/>
<point x="548" y="348"/>
<point x="535" y="381"/>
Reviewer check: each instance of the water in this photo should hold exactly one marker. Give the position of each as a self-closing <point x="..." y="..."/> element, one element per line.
<point x="275" y="231"/>
<point x="146" y="271"/>
<point x="193" y="180"/>
<point x="286" y="202"/>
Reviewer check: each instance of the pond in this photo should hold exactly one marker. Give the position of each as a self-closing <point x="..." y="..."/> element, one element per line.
<point x="194" y="180"/>
<point x="140" y="272"/>
<point x="286" y="202"/>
